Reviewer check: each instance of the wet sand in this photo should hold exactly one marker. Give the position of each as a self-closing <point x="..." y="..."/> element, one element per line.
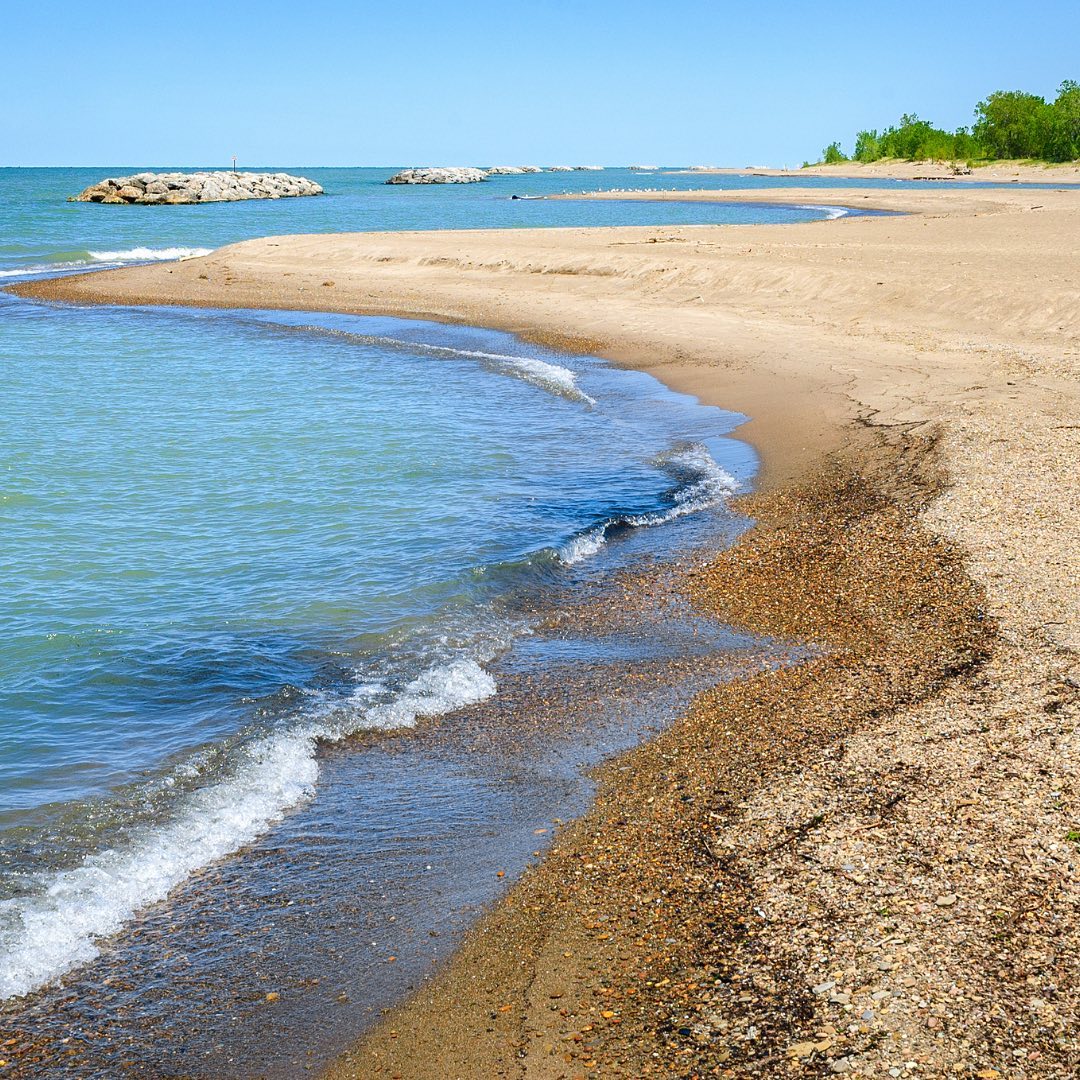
<point x="864" y="864"/>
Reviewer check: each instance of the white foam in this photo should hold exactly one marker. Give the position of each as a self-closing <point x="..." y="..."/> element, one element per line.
<point x="831" y="212"/>
<point x="60" y="924"/>
<point x="581" y="547"/>
<point x="709" y="486"/>
<point x="551" y="377"/>
<point x="44" y="268"/>
<point x="147" y="254"/>
<point x="547" y="376"/>
<point x="438" y="690"/>
<point x="101" y="259"/>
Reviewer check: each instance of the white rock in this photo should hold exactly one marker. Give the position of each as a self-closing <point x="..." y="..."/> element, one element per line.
<point x="447" y="175"/>
<point x="179" y="188"/>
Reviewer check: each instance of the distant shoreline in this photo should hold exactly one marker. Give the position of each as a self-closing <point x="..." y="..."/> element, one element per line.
<point x="998" y="172"/>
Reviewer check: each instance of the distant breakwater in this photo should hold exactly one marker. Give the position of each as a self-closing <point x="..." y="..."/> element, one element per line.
<point x="461" y="175"/>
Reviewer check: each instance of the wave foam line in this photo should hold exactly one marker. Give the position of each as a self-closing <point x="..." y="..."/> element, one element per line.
<point x="60" y="925"/>
<point x="148" y="254"/>
<point x="831" y="212"/>
<point x="706" y="486"/>
<point x="551" y="377"/>
<point x="100" y="260"/>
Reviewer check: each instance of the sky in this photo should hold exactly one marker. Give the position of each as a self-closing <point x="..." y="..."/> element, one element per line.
<point x="514" y="82"/>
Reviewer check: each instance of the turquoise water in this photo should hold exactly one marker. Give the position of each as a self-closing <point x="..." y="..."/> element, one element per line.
<point x="230" y="540"/>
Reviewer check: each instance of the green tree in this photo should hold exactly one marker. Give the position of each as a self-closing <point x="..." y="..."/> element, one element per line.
<point x="867" y="146"/>
<point x="1063" y="137"/>
<point x="965" y="145"/>
<point x="1009" y="124"/>
<point x="911" y="139"/>
<point x="1013" y="124"/>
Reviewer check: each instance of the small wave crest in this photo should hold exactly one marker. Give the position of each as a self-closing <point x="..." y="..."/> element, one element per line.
<point x="704" y="485"/>
<point x="831" y="212"/>
<point x="551" y="377"/>
<point x="58" y="925"/>
<point x="583" y="545"/>
<point x="102" y="260"/>
<point x="148" y="254"/>
<point x="554" y="378"/>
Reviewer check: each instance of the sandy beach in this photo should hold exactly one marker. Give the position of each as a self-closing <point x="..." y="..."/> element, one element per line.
<point x="867" y="864"/>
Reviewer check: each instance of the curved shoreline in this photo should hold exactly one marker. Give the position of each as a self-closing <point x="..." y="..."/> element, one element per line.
<point x="855" y="345"/>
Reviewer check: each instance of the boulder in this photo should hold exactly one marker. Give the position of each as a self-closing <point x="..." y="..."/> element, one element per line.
<point x="513" y="170"/>
<point x="448" y="175"/>
<point x="174" y="189"/>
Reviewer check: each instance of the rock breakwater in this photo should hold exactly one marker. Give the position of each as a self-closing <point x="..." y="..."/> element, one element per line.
<point x="438" y="176"/>
<point x="148" y="189"/>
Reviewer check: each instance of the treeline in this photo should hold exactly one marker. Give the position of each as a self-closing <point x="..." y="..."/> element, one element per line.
<point x="1008" y="124"/>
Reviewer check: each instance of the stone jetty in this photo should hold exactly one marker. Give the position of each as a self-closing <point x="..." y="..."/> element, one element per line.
<point x="148" y="189"/>
<point x="438" y="176"/>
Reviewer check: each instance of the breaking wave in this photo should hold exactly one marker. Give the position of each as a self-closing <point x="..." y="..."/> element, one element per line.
<point x="703" y="486"/>
<point x="147" y="254"/>
<point x="831" y="212"/>
<point x="554" y="378"/>
<point x="102" y="260"/>
<point x="58" y="925"/>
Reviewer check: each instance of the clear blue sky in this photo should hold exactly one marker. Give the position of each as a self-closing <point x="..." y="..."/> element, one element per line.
<point x="336" y="82"/>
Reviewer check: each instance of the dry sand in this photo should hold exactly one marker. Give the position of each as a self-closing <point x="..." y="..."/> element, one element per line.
<point x="865" y="866"/>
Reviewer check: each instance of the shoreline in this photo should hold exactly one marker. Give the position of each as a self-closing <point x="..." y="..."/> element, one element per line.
<point x="971" y="347"/>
